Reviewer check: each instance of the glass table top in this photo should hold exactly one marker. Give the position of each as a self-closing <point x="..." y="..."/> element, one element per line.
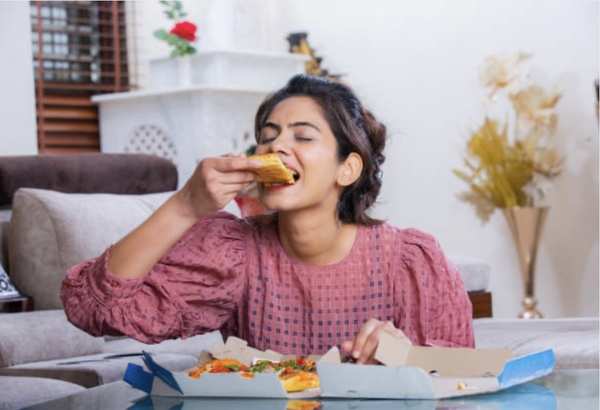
<point x="563" y="389"/>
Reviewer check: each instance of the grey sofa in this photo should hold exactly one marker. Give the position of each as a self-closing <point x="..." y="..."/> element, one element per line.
<point x="49" y="231"/>
<point x="42" y="233"/>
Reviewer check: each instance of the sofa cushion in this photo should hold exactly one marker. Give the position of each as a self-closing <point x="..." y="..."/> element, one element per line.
<point x="97" y="371"/>
<point x="20" y="392"/>
<point x="112" y="396"/>
<point x="35" y="336"/>
<point x="192" y="346"/>
<point x="52" y="231"/>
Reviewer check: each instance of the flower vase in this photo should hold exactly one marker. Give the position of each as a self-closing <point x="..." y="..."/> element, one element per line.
<point x="168" y="72"/>
<point x="184" y="71"/>
<point x="526" y="224"/>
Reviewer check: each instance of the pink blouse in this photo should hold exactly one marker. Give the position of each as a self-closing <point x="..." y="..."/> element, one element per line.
<point x="233" y="275"/>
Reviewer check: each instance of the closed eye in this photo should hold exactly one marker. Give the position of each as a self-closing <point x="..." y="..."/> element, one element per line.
<point x="300" y="138"/>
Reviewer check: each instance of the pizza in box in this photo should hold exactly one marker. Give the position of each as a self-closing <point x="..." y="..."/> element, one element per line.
<point x="296" y="375"/>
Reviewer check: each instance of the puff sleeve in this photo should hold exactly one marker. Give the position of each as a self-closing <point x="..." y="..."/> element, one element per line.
<point x="444" y="311"/>
<point x="195" y="288"/>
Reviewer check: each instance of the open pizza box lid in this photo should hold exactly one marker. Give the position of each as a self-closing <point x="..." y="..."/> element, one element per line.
<point x="409" y="372"/>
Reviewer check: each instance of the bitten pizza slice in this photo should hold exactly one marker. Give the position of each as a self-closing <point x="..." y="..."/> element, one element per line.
<point x="273" y="170"/>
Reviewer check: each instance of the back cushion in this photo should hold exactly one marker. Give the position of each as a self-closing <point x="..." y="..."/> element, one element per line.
<point x="52" y="231"/>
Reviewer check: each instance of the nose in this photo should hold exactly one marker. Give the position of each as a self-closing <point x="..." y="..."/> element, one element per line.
<point x="281" y="145"/>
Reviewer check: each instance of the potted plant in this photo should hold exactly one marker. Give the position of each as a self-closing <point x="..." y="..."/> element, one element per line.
<point x="175" y="69"/>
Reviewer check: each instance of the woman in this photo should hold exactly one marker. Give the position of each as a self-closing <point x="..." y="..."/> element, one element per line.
<point x="317" y="272"/>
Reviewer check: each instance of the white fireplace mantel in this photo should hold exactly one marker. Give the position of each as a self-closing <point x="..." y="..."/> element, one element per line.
<point x="184" y="125"/>
<point x="171" y="91"/>
<point x="186" y="119"/>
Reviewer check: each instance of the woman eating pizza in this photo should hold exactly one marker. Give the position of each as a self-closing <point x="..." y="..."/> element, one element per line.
<point x="316" y="271"/>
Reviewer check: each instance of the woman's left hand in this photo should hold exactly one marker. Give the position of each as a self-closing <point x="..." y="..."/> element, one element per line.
<point x="364" y="345"/>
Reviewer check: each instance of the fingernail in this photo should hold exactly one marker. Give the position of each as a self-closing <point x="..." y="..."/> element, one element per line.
<point x="355" y="354"/>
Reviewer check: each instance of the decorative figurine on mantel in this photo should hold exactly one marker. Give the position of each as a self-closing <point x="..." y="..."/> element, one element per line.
<point x="298" y="43"/>
<point x="513" y="170"/>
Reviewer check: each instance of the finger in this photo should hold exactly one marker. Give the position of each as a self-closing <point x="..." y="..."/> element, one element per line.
<point x="391" y="328"/>
<point x="233" y="189"/>
<point x="249" y="188"/>
<point x="347" y="346"/>
<point x="389" y="325"/>
<point x="236" y="190"/>
<point x="232" y="155"/>
<point x="236" y="164"/>
<point x="362" y="336"/>
<point x="236" y="177"/>
<point x="368" y="350"/>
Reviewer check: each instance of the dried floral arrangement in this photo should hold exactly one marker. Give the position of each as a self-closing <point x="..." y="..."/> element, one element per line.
<point x="506" y="169"/>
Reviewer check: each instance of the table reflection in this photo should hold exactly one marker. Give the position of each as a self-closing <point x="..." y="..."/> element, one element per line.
<point x="529" y="396"/>
<point x="562" y="390"/>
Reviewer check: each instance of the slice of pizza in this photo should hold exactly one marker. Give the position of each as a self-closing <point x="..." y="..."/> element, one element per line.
<point x="296" y="375"/>
<point x="303" y="405"/>
<point x="273" y="170"/>
<point x="295" y="381"/>
<point x="219" y="366"/>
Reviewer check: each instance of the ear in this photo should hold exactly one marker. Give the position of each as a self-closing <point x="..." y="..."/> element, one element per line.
<point x="350" y="170"/>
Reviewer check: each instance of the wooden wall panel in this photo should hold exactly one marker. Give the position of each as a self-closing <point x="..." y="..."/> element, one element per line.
<point x="79" y="49"/>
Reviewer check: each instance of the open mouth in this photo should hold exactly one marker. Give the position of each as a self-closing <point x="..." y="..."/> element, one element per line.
<point x="278" y="185"/>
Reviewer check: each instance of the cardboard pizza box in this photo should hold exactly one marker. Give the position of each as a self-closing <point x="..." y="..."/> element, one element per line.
<point x="417" y="372"/>
<point x="408" y="372"/>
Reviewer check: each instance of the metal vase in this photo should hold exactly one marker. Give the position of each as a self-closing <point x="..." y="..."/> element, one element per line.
<point x="526" y="224"/>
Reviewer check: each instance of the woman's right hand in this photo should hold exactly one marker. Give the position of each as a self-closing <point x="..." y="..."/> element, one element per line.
<point x="214" y="183"/>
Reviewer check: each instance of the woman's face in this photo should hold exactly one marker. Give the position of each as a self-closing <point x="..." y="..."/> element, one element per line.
<point x="297" y="131"/>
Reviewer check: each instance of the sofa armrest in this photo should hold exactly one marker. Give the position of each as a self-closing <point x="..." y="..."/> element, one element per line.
<point x="42" y="335"/>
<point x="574" y="340"/>
<point x="23" y="392"/>
<point x="94" y="370"/>
<point x="83" y="377"/>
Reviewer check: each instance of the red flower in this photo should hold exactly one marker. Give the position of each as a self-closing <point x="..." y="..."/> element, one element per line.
<point x="185" y="30"/>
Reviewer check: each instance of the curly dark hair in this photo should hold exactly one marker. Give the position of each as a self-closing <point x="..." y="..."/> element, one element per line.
<point x="354" y="128"/>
